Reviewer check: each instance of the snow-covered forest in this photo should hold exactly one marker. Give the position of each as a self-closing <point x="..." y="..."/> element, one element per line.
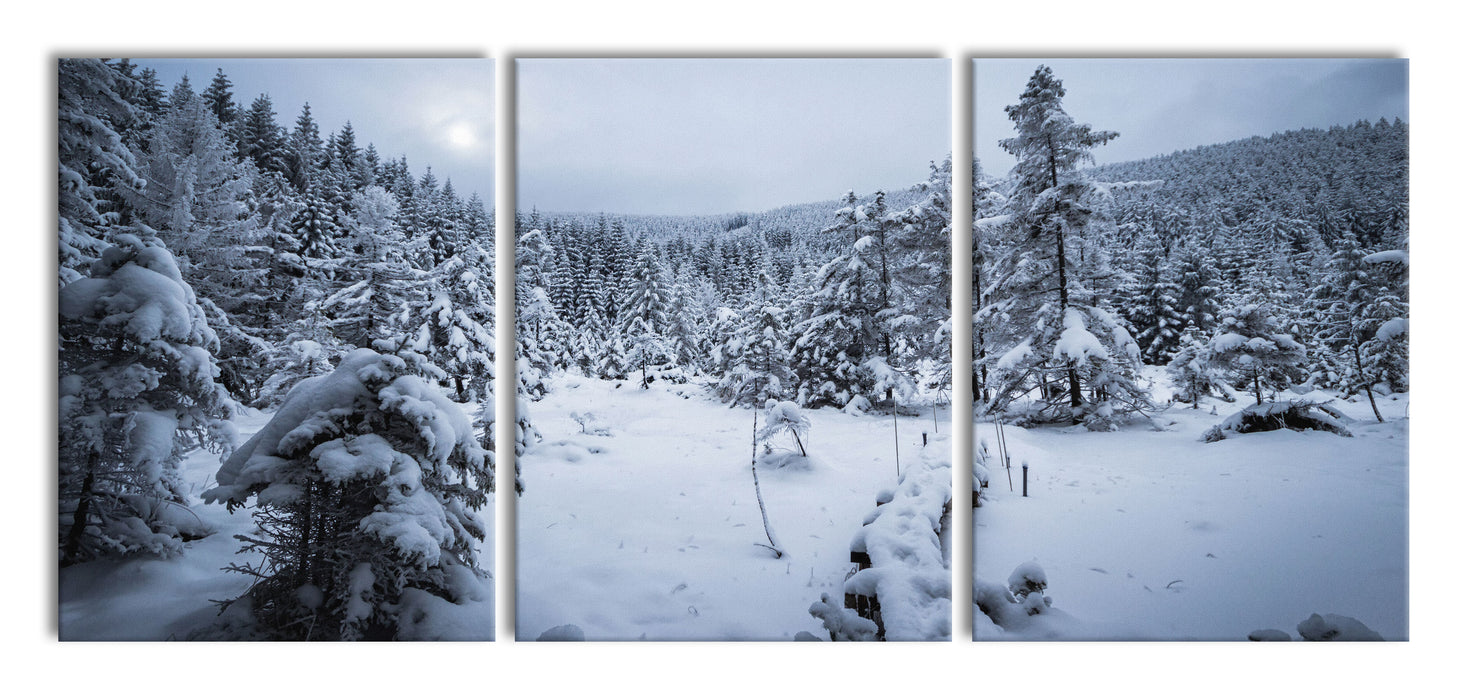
<point x="1264" y="278"/>
<point x="276" y="356"/>
<point x="275" y="346"/>
<point x="638" y="335"/>
<point x="716" y="405"/>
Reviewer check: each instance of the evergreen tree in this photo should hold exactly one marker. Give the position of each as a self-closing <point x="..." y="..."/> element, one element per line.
<point x="759" y="352"/>
<point x="1054" y="263"/>
<point x="136" y="393"/>
<point x="1150" y="304"/>
<point x="366" y="484"/>
<point x="452" y="324"/>
<point x="262" y="140"/>
<point x="304" y="150"/>
<point x="219" y="99"/>
<point x="91" y="157"/>
<point x="645" y="314"/>
<point x="1251" y="347"/>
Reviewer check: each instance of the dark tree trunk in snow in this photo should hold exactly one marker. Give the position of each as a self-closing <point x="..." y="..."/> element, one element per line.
<point x="79" y="518"/>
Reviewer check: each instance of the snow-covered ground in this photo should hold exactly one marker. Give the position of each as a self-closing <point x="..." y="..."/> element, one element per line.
<point x="651" y="532"/>
<point x="1157" y="535"/>
<point x="143" y="599"/>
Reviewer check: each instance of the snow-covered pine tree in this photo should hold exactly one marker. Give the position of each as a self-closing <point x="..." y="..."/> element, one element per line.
<point x="262" y="140"/>
<point x="1252" y="348"/>
<point x="612" y="364"/>
<point x="1046" y="300"/>
<point x="304" y="150"/>
<point x="840" y="331"/>
<point x="988" y="207"/>
<point x="1191" y="372"/>
<point x="378" y="279"/>
<point x="366" y="484"/>
<point x="91" y="157"/>
<point x="758" y="353"/>
<point x="682" y="333"/>
<point x="644" y="315"/>
<point x="452" y="324"/>
<point x="1341" y="323"/>
<point x="1384" y="354"/>
<point x="922" y="314"/>
<point x="137" y="392"/>
<point x="195" y="199"/>
<point x="1197" y="291"/>
<point x="219" y="99"/>
<point x="1151" y="302"/>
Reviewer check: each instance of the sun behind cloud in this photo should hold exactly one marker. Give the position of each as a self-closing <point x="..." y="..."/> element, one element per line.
<point x="462" y="135"/>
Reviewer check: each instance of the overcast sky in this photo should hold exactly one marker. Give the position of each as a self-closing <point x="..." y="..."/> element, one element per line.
<point x="437" y="112"/>
<point x="1163" y="105"/>
<point x="707" y="136"/>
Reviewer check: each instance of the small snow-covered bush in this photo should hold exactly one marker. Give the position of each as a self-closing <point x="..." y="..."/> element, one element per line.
<point x="843" y="623"/>
<point x="783" y="416"/>
<point x="1027" y="582"/>
<point x="366" y="482"/>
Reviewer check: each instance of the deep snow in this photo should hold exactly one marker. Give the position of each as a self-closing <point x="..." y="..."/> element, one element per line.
<point x="1157" y="535"/>
<point x="652" y="532"/>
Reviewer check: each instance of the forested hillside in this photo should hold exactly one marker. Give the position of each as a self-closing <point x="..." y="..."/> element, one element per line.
<point x="1296" y="241"/>
<point x="826" y="303"/>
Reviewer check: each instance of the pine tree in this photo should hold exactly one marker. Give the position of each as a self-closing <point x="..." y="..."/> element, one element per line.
<point x="1197" y="290"/>
<point x="922" y="315"/>
<point x="1150" y="303"/>
<point x="366" y="484"/>
<point x="840" y="330"/>
<point x="305" y="150"/>
<point x="91" y="157"/>
<point x="262" y="140"/>
<point x="1053" y="263"/>
<point x="136" y="393"/>
<point x="219" y="99"/>
<point x="379" y="280"/>
<point x="452" y="325"/>
<point x="644" y="316"/>
<point x="1250" y="346"/>
<point x="759" y="353"/>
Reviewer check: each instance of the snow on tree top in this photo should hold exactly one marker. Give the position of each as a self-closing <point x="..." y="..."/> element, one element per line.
<point x="314" y="406"/>
<point x="1076" y="344"/>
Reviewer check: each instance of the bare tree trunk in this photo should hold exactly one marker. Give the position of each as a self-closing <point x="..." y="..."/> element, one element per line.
<point x="763" y="514"/>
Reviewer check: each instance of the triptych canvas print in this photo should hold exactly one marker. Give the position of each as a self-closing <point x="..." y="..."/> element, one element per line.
<point x="751" y="350"/>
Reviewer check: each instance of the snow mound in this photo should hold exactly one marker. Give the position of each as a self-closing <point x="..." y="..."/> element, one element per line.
<point x="1274" y="415"/>
<point x="1336" y="628"/>
<point x="908" y="575"/>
